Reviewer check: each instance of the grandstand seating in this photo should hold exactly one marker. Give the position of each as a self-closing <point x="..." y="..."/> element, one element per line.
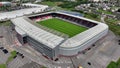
<point x="40" y="18"/>
<point x="66" y="17"/>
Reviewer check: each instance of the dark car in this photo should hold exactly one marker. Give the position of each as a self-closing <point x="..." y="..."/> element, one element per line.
<point x="118" y="40"/>
<point x="15" y="56"/>
<point x="22" y="56"/>
<point x="56" y="59"/>
<point x="89" y="48"/>
<point x="118" y="43"/>
<point x="1" y="36"/>
<point x="17" y="53"/>
<point x="5" y="51"/>
<point x="1" y="48"/>
<point x="93" y="45"/>
<point x="89" y="63"/>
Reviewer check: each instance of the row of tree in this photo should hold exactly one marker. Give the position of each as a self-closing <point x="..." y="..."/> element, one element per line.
<point x="69" y="4"/>
<point x="5" y="0"/>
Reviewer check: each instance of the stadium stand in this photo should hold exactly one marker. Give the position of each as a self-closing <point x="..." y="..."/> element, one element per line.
<point x="53" y="45"/>
<point x="17" y="13"/>
<point x="64" y="17"/>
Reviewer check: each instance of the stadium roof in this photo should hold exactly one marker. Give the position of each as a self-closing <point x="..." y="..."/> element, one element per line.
<point x="5" y="2"/>
<point x="72" y="13"/>
<point x="36" y="33"/>
<point x="52" y="40"/>
<point x="21" y="12"/>
<point x="34" y="5"/>
<point x="20" y="31"/>
<point x="84" y="36"/>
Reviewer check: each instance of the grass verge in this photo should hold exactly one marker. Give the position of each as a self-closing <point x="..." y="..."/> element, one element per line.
<point x="13" y="54"/>
<point x="2" y="65"/>
<point x="113" y="25"/>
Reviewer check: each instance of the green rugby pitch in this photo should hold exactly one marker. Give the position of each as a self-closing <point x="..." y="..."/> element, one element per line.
<point x="63" y="26"/>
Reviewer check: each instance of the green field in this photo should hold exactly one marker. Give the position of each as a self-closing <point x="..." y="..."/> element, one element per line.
<point x="113" y="64"/>
<point x="62" y="26"/>
<point x="2" y="65"/>
<point x="13" y="54"/>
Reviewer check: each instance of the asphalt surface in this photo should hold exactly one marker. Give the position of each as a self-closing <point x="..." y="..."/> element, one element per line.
<point x="18" y="62"/>
<point x="3" y="57"/>
<point x="99" y="56"/>
<point x="106" y="50"/>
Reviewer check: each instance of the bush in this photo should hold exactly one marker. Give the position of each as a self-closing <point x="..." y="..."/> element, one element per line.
<point x="112" y="65"/>
<point x="78" y="11"/>
<point x="13" y="54"/>
<point x="68" y="5"/>
<point x="118" y="62"/>
<point x="92" y="15"/>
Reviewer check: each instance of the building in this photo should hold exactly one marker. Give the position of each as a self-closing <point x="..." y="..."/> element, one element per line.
<point x="94" y="0"/>
<point x="114" y="2"/>
<point x="5" y="3"/>
<point x="34" y="5"/>
<point x="21" y="12"/>
<point x="53" y="44"/>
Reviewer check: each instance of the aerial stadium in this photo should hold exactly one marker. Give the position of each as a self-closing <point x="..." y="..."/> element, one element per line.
<point x="58" y="33"/>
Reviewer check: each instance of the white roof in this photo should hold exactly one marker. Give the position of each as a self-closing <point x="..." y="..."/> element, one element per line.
<point x="75" y="41"/>
<point x="21" y="32"/>
<point x="5" y="2"/>
<point x="21" y="12"/>
<point x="36" y="33"/>
<point x="34" y="5"/>
<point x="84" y="36"/>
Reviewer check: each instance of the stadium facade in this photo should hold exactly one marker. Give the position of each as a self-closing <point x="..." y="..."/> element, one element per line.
<point x="52" y="43"/>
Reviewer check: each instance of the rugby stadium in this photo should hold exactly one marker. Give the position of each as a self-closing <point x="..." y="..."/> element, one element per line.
<point x="57" y="33"/>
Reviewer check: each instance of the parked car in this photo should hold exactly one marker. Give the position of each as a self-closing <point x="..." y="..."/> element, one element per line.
<point x="56" y="59"/>
<point x="5" y="51"/>
<point x="1" y="48"/>
<point x="1" y="36"/>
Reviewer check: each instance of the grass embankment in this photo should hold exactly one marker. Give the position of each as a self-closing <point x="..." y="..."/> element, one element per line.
<point x="60" y="5"/>
<point x="103" y="11"/>
<point x="114" y="64"/>
<point x="89" y="15"/>
<point x="92" y="16"/>
<point x="5" y="23"/>
<point x="113" y="25"/>
<point x="2" y="65"/>
<point x="52" y="4"/>
<point x="13" y="54"/>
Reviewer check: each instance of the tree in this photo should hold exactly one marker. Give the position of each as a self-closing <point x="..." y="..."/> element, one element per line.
<point x="118" y="10"/>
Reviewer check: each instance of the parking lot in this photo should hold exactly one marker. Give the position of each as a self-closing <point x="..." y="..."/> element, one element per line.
<point x="18" y="62"/>
<point x="3" y="56"/>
